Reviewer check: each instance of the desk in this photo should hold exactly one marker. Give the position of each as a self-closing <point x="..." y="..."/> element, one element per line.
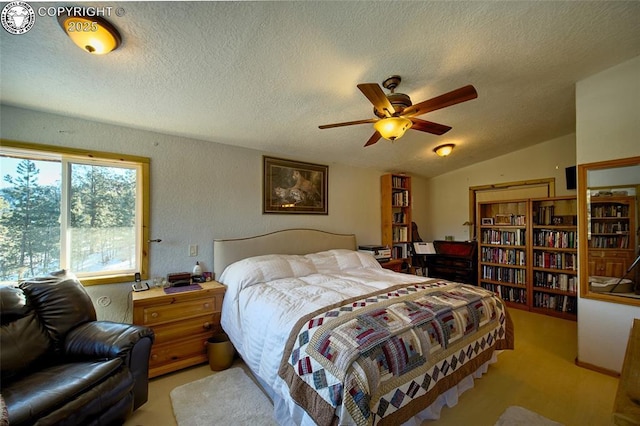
<point x="454" y="261"/>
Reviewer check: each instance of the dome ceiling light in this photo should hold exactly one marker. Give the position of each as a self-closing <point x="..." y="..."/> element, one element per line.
<point x="92" y="34"/>
<point x="444" y="150"/>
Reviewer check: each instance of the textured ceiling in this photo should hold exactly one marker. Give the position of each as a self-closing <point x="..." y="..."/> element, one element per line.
<point x="264" y="75"/>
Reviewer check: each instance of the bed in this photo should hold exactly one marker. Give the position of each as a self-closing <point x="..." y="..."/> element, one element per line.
<point x="334" y="338"/>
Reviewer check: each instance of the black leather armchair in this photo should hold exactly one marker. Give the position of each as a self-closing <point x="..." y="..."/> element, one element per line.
<point x="59" y="365"/>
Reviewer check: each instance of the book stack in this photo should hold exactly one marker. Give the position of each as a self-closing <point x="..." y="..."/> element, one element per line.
<point x="381" y="253"/>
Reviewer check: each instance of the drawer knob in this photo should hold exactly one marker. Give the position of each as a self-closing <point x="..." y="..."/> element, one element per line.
<point x="206" y="325"/>
<point x="206" y="305"/>
<point x="154" y="315"/>
<point x="154" y="356"/>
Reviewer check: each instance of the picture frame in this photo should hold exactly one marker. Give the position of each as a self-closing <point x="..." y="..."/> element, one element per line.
<point x="504" y="219"/>
<point x="294" y="187"/>
<point x="486" y="221"/>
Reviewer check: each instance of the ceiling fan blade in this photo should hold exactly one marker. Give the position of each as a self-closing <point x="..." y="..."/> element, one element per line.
<point x="429" y="126"/>
<point x="376" y="96"/>
<point x="373" y="139"/>
<point x="457" y="96"/>
<point x="348" y="123"/>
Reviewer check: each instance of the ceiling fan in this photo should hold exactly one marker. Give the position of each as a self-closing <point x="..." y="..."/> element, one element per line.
<point x="397" y="114"/>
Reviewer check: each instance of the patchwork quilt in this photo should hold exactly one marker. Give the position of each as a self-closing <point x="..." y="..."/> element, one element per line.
<point x="383" y="357"/>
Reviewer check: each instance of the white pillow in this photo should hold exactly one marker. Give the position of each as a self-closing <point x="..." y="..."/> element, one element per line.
<point x="333" y="261"/>
<point x="270" y="267"/>
<point x="261" y="269"/>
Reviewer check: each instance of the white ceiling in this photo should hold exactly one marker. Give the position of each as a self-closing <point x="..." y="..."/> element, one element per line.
<point x="264" y="75"/>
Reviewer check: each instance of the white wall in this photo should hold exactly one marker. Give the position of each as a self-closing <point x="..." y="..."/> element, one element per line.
<point x="448" y="194"/>
<point x="201" y="191"/>
<point x="607" y="127"/>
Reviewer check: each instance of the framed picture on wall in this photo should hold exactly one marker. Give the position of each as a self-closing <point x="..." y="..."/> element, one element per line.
<point x="294" y="187"/>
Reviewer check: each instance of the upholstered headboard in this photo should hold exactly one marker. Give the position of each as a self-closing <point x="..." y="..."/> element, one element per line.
<point x="288" y="241"/>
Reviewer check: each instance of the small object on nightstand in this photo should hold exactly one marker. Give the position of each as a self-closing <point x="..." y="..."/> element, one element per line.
<point x="139" y="285"/>
<point x="178" y="276"/>
<point x="197" y="270"/>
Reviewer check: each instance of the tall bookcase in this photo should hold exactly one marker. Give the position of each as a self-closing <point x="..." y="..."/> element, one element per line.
<point x="528" y="253"/>
<point x="554" y="256"/>
<point x="611" y="232"/>
<point x="396" y="213"/>
<point x="502" y="251"/>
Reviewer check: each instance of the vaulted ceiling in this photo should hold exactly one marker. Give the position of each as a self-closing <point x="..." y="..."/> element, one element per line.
<point x="265" y="75"/>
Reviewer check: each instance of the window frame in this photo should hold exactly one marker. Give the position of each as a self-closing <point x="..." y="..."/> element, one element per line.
<point x="91" y="155"/>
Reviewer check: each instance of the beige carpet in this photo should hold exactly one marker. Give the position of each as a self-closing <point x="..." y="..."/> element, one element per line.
<point x="227" y="397"/>
<point x="519" y="416"/>
<point x="230" y="397"/>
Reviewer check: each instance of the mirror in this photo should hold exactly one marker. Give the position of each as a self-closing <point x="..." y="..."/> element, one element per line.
<point x="608" y="231"/>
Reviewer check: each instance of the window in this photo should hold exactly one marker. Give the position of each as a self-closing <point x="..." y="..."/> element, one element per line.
<point x="63" y="208"/>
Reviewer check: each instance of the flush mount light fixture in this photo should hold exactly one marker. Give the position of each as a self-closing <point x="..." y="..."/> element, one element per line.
<point x="392" y="128"/>
<point x="92" y="34"/>
<point x="444" y="150"/>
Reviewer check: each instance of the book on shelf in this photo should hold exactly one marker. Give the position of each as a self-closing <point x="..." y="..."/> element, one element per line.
<point x="400" y="234"/>
<point x="401" y="198"/>
<point x="550" y="260"/>
<point x="503" y="255"/>
<point x="400" y="251"/>
<point x="398" y="181"/>
<point x="555" y="281"/>
<point x="555" y="239"/>
<point x="497" y="236"/>
<point x="555" y="302"/>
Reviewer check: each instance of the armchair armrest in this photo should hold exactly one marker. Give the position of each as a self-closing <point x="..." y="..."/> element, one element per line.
<point x="105" y="339"/>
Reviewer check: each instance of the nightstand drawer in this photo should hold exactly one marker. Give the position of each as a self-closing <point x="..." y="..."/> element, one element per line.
<point x="172" y="353"/>
<point x="190" y="327"/>
<point x="163" y="313"/>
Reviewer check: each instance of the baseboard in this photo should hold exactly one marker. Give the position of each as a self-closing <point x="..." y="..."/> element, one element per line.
<point x="596" y="368"/>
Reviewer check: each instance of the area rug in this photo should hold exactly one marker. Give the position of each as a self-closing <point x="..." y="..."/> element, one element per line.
<point x="227" y="397"/>
<point x="519" y="416"/>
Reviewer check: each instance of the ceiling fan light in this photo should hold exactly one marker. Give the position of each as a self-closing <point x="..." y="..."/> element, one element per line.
<point x="91" y="34"/>
<point x="444" y="150"/>
<point x="392" y="128"/>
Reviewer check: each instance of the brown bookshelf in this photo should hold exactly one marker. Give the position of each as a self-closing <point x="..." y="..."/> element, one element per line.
<point x="554" y="256"/>
<point x="527" y="253"/>
<point x="395" y="190"/>
<point x="502" y="252"/>
<point x="611" y="234"/>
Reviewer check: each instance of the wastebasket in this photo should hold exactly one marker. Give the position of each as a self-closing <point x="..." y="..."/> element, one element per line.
<point x="220" y="352"/>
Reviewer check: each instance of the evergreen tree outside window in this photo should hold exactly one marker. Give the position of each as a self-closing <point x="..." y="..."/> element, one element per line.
<point x="67" y="209"/>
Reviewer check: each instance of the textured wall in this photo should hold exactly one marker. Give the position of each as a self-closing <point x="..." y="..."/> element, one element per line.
<point x="200" y="191"/>
<point x="448" y="194"/>
<point x="607" y="127"/>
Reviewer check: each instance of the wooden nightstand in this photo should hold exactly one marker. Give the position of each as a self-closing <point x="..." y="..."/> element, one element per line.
<point x="182" y="323"/>
<point x="395" y="265"/>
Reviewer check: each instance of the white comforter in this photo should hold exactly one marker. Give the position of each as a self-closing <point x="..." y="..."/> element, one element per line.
<point x="266" y="295"/>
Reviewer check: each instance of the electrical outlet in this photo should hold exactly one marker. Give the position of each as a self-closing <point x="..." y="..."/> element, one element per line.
<point x="193" y="250"/>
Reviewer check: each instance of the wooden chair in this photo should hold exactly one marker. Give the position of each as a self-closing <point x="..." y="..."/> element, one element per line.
<point x="418" y="261"/>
